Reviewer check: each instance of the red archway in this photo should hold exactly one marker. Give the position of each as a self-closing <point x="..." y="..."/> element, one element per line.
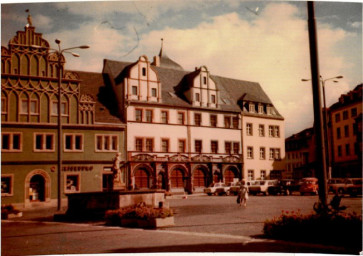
<point x="177" y="178"/>
<point x="142" y="178"/>
<point x="199" y="178"/>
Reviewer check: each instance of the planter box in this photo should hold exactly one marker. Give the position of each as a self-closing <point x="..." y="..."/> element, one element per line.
<point x="152" y="223"/>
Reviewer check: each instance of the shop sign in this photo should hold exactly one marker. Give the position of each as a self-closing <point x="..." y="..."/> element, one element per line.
<point x="76" y="168"/>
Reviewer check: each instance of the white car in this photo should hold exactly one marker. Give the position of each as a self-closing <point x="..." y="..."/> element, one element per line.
<point x="217" y="188"/>
<point x="261" y="186"/>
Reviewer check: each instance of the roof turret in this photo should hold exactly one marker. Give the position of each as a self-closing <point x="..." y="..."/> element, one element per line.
<point x="162" y="60"/>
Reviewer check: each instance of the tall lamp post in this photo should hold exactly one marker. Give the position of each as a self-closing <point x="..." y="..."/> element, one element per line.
<point x="59" y="53"/>
<point x="325" y="120"/>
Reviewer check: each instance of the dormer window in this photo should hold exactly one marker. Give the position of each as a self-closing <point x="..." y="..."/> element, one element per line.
<point x="252" y="108"/>
<point x="204" y="80"/>
<point x="134" y="90"/>
<point x="197" y="97"/>
<point x="269" y="110"/>
<point x="213" y="99"/>
<point x="260" y="109"/>
<point x="143" y="71"/>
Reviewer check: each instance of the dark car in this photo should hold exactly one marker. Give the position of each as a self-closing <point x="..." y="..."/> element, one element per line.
<point x="284" y="187"/>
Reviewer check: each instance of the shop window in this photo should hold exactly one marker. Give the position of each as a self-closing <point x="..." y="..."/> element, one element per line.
<point x="44" y="142"/>
<point x="107" y="143"/>
<point x="72" y="183"/>
<point x="11" y="142"/>
<point x="213" y="120"/>
<point x="73" y="142"/>
<point x="7" y="181"/>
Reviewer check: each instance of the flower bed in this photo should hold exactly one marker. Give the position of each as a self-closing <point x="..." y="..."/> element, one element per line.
<point x="141" y="216"/>
<point x="337" y="229"/>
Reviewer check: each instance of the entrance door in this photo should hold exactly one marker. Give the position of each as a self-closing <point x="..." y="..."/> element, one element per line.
<point x="37" y="189"/>
<point x="228" y="176"/>
<point x="107" y="182"/>
<point x="176" y="178"/>
<point x="141" y="179"/>
<point x="199" y="178"/>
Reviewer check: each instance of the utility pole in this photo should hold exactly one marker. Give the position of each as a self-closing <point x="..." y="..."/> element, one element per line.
<point x="319" y="134"/>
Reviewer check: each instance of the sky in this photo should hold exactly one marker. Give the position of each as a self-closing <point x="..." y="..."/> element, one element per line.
<point x="259" y="41"/>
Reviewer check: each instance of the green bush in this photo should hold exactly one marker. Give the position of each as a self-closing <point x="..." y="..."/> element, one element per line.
<point x="338" y="229"/>
<point x="139" y="211"/>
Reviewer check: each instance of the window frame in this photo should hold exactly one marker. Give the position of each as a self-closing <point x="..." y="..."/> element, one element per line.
<point x="4" y="105"/>
<point x="55" y="103"/>
<point x="262" y="153"/>
<point x="134" y="90"/>
<point x="137" y="110"/>
<point x="11" y="142"/>
<point x="249" y="129"/>
<point x="44" y="142"/>
<point x="181" y="114"/>
<point x="249" y="152"/>
<point x="226" y="147"/>
<point x="199" y="115"/>
<point x="136" y="144"/>
<point x="213" y="120"/>
<point x="154" y="92"/>
<point x="11" y="184"/>
<point x="236" y="145"/>
<point x="261" y="130"/>
<point x="78" y="187"/>
<point x="73" y="142"/>
<point x="214" y="146"/>
<point x="195" y="146"/>
<point x="105" y="137"/>
<point x="167" y="140"/>
<point x="184" y="145"/>
<point x="152" y="144"/>
<point x="166" y="121"/>
<point x="151" y="111"/>
<point x="250" y="177"/>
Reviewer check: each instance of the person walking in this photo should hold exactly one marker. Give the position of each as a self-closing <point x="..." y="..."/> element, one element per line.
<point x="243" y="194"/>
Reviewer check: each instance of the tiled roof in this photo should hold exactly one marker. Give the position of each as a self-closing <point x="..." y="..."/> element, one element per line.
<point x="231" y="90"/>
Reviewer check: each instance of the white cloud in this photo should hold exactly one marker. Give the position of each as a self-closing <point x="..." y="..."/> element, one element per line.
<point x="42" y="22"/>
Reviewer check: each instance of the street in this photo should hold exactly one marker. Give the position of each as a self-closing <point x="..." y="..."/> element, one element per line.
<point x="202" y="224"/>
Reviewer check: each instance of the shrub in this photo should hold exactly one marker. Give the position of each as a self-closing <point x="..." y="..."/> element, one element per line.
<point x="139" y="211"/>
<point x="339" y="228"/>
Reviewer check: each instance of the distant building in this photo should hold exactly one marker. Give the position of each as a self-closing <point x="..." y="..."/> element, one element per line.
<point x="29" y="111"/>
<point x="346" y="118"/>
<point x="186" y="129"/>
<point x="300" y="155"/>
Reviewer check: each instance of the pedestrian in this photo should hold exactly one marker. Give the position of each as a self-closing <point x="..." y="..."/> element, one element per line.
<point x="243" y="194"/>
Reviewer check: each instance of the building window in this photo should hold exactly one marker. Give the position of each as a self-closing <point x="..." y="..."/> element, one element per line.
<point x="24" y="107"/>
<point x="235" y="122"/>
<point x="262" y="153"/>
<point x="213" y="99"/>
<point x="197" y="119"/>
<point x="64" y="109"/>
<point x="263" y="174"/>
<point x="270" y="131"/>
<point x="235" y="147"/>
<point x="72" y="183"/>
<point x="353" y="112"/>
<point x="29" y="106"/>
<point x="227" y="147"/>
<point x="73" y="142"/>
<point x="347" y="149"/>
<point x="277" y="154"/>
<point x="252" y="108"/>
<point x="180" y="118"/>
<point x="143" y="71"/>
<point x="276" y="131"/>
<point x="197" y="97"/>
<point x="346" y="131"/>
<point x="138" y="144"/>
<point x="149" y="144"/>
<point x="271" y="154"/>
<point x="153" y="92"/>
<point x="198" y="146"/>
<point x="107" y="179"/>
<point x="165" y="145"/>
<point x="44" y="142"/>
<point x="337" y="117"/>
<point x="345" y="115"/>
<point x="11" y="142"/>
<point x="250" y="174"/>
<point x="134" y="90"/>
<point x="249" y="131"/>
<point x="227" y="121"/>
<point x="107" y="143"/>
<point x="249" y="152"/>
<point x="260" y="109"/>
<point x="181" y="146"/>
<point x="213" y="120"/>
<point x="204" y="80"/>
<point x="339" y="150"/>
<point x="164" y="117"/>
<point x="339" y="135"/>
<point x="138" y="115"/>
<point x="261" y="130"/>
<point x="214" y="146"/>
<point x="3" y="105"/>
<point x="7" y="181"/>
<point x="149" y="116"/>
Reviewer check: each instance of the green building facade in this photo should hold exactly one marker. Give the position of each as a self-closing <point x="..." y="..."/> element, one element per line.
<point x="92" y="138"/>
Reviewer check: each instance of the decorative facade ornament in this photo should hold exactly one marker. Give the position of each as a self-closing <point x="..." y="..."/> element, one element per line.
<point x="71" y="75"/>
<point x="202" y="158"/>
<point x="178" y="158"/>
<point x="232" y="159"/>
<point x="142" y="157"/>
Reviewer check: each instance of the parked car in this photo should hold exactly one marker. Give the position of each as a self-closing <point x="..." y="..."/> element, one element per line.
<point x="212" y="190"/>
<point x="356" y="187"/>
<point x="284" y="187"/>
<point x="336" y="185"/>
<point x="309" y="186"/>
<point x="261" y="186"/>
<point x="226" y="189"/>
<point x="234" y="188"/>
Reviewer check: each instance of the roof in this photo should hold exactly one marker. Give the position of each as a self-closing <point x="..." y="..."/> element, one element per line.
<point x="231" y="90"/>
<point x="93" y="84"/>
<point x="352" y="97"/>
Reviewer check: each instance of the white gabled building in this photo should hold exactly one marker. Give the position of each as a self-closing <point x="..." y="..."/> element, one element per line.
<point x="186" y="130"/>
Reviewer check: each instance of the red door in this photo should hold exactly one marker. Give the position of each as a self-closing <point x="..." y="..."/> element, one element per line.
<point x="177" y="179"/>
<point x="141" y="179"/>
<point x="198" y="178"/>
<point x="228" y="176"/>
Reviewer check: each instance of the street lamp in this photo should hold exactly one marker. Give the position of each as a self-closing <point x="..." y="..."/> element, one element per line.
<point x="59" y="53"/>
<point x="325" y="120"/>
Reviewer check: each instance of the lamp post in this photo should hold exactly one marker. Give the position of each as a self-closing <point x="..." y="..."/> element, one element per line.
<point x="325" y="120"/>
